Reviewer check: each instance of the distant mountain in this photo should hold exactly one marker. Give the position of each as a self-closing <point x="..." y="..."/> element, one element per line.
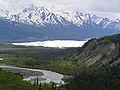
<point x="4" y="13"/>
<point x="54" y="24"/>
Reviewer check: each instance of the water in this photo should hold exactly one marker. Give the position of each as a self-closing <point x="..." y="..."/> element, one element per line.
<point x="44" y="76"/>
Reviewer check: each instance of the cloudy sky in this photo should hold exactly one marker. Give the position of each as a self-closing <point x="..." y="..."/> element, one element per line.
<point x="107" y="8"/>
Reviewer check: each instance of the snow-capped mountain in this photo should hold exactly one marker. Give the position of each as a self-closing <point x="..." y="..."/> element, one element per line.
<point x="42" y="16"/>
<point x="39" y="16"/>
<point x="63" y="24"/>
<point x="4" y="14"/>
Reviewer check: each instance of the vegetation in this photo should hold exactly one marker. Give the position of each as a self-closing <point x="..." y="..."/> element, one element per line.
<point x="58" y="65"/>
<point x="38" y="57"/>
<point x="10" y="81"/>
<point x="104" y="73"/>
<point x="101" y="74"/>
<point x="105" y="78"/>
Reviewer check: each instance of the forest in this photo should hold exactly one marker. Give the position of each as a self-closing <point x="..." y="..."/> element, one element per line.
<point x="70" y="61"/>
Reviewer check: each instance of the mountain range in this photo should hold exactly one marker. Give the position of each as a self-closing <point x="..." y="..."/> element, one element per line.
<point x="41" y="23"/>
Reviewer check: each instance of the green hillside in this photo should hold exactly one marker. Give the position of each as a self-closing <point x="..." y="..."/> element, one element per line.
<point x="10" y="81"/>
<point x="95" y="66"/>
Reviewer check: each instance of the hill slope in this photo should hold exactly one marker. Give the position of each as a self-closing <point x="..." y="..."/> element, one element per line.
<point x="10" y="81"/>
<point x="102" y="51"/>
<point x="102" y="60"/>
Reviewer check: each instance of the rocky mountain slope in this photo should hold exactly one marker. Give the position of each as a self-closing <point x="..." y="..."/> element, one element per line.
<point x="103" y="51"/>
<point x="99" y="63"/>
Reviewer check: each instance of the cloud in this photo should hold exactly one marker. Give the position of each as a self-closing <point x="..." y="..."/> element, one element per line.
<point x="103" y="6"/>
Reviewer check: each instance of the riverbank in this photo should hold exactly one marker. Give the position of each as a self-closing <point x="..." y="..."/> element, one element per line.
<point x="31" y="74"/>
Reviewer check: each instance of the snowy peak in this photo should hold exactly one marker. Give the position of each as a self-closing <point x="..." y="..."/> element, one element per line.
<point x="79" y="18"/>
<point x="31" y="8"/>
<point x="42" y="16"/>
<point x="34" y="8"/>
<point x="4" y="13"/>
<point x="39" y="16"/>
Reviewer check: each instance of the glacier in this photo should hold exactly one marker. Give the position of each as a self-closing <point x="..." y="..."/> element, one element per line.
<point x="54" y="43"/>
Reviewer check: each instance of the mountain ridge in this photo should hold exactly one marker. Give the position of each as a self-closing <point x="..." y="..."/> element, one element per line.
<point x="99" y="61"/>
<point x="43" y="15"/>
<point x="102" y="51"/>
<point x="42" y="23"/>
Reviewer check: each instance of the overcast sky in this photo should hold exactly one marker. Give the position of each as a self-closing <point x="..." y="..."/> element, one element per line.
<point x="110" y="8"/>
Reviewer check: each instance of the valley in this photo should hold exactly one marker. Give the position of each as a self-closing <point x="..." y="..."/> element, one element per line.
<point x="31" y="75"/>
<point x="32" y="59"/>
<point x="59" y="45"/>
<point x="37" y="57"/>
<point x="87" y="65"/>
